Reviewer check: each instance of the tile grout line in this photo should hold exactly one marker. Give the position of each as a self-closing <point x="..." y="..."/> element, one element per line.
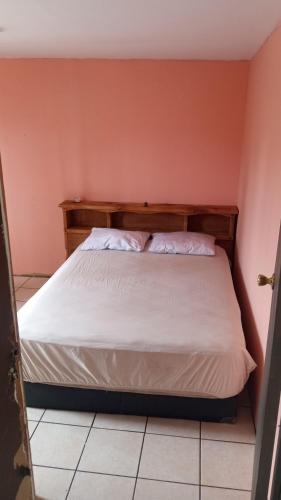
<point x="102" y="428"/>
<point x="71" y="425"/>
<point x="140" y="477"/>
<point x="31" y="287"/>
<point x="16" y="288"/>
<point x="172" y="435"/>
<point x="103" y="473"/>
<point x="84" y="471"/>
<point x="21" y="286"/>
<point x="52" y="467"/>
<point x="71" y="482"/>
<point x="225" y="488"/>
<point x="230" y="442"/>
<point x="148" y="433"/>
<point x="189" y="484"/>
<point x="27" y="278"/>
<point x="38" y="422"/>
<point x="137" y="473"/>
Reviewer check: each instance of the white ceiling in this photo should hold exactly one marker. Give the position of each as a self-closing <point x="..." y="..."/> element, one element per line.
<point x="168" y="29"/>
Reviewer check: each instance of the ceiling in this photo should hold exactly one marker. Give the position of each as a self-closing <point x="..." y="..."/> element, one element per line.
<point x="162" y="29"/>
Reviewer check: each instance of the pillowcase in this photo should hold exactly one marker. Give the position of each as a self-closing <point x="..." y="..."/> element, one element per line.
<point x="115" y="239"/>
<point x="182" y="242"/>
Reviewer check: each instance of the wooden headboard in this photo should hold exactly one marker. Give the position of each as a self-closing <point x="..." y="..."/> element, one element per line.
<point x="79" y="218"/>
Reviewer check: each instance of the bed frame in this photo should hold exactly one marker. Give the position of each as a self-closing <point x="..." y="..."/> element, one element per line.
<point x="79" y="218"/>
<point x="94" y="400"/>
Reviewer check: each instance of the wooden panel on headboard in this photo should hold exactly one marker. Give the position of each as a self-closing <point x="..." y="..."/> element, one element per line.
<point x="217" y="220"/>
<point x="151" y="222"/>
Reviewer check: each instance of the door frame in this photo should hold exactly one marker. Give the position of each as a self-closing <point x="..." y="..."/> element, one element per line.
<point x="267" y="422"/>
<point x="276" y="481"/>
<point x="15" y="461"/>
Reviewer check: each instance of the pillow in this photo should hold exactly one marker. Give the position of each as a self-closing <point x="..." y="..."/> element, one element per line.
<point x="182" y="242"/>
<point x="115" y="239"/>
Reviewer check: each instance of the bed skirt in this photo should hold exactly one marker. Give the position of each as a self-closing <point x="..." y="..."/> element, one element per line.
<point x="94" y="400"/>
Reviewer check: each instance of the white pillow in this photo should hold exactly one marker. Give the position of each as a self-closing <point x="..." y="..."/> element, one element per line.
<point x="182" y="242"/>
<point x="115" y="239"/>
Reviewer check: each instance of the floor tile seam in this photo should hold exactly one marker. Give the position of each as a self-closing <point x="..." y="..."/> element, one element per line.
<point x="92" y="426"/>
<point x="78" y="462"/>
<point x="140" y="477"/>
<point x="140" y="456"/>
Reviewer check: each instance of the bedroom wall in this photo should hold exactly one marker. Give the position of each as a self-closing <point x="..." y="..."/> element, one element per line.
<point x="156" y="131"/>
<point x="259" y="197"/>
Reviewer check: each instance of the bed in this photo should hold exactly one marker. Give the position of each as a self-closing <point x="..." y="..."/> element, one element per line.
<point x="138" y="333"/>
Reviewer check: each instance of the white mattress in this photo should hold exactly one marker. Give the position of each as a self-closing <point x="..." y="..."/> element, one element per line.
<point x="137" y="322"/>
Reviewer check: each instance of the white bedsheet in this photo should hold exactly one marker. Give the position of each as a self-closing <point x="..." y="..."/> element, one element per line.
<point x="138" y="322"/>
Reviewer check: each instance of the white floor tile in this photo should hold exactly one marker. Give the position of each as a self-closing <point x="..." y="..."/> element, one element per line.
<point x="23" y="294"/>
<point x="173" y="427"/>
<point x="34" y="413"/>
<point x="120" y="422"/>
<point x="159" y="490"/>
<point x="69" y="417"/>
<point x="242" y="431"/>
<point x="112" y="452"/>
<point x="170" y="459"/>
<point x="56" y="445"/>
<point x="19" y="280"/>
<point x="31" y="427"/>
<point x="101" y="487"/>
<point x="51" y="484"/>
<point x="35" y="282"/>
<point x="222" y="494"/>
<point x="19" y="304"/>
<point x="227" y="465"/>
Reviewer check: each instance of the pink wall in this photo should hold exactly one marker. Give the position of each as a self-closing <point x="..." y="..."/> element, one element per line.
<point x="260" y="195"/>
<point x="156" y="131"/>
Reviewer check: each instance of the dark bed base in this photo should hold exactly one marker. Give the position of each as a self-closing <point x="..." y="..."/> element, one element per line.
<point x="73" y="398"/>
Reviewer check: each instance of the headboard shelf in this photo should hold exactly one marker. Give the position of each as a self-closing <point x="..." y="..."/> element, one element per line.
<point x="218" y="220"/>
<point x="149" y="207"/>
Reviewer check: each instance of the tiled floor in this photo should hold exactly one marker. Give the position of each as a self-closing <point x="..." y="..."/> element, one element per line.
<point x="25" y="287"/>
<point x="83" y="456"/>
